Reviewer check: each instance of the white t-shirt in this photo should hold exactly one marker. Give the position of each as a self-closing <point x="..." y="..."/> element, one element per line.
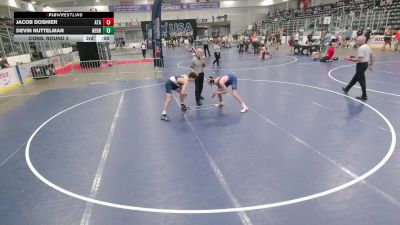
<point x="296" y="37"/>
<point x="206" y="41"/>
<point x="365" y="52"/>
<point x="217" y="48"/>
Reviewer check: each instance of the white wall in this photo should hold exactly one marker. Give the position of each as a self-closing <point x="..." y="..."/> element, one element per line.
<point x="13" y="60"/>
<point x="239" y="17"/>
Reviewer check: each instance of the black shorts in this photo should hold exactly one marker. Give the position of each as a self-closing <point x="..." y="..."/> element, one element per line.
<point x="347" y="39"/>
<point x="170" y="86"/>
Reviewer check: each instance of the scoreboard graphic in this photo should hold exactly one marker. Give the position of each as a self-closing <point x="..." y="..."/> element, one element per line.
<point x="64" y="26"/>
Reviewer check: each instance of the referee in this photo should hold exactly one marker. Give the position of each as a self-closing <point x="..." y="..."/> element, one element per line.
<point x="364" y="59"/>
<point x="197" y="66"/>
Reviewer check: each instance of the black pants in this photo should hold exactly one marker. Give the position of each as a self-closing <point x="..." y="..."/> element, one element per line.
<point x="240" y="48"/>
<point x="206" y="48"/>
<point x="199" y="86"/>
<point x="360" y="78"/>
<point x="324" y="59"/>
<point x="366" y="39"/>
<point x="144" y="53"/>
<point x="217" y="56"/>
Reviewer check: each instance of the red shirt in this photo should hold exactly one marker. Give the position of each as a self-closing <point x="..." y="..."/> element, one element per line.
<point x="331" y="52"/>
<point x="398" y="35"/>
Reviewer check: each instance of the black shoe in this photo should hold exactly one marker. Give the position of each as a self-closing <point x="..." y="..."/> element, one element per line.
<point x="198" y="103"/>
<point x="165" y="117"/>
<point x="183" y="107"/>
<point x="201" y="97"/>
<point x="344" y="90"/>
<point x="362" y="98"/>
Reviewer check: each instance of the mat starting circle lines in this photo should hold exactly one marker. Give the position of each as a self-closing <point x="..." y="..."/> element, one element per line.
<point x="220" y="210"/>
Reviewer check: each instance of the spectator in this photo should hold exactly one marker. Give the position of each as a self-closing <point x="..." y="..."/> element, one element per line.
<point x="278" y="39"/>
<point x="388" y="37"/>
<point x="296" y="38"/>
<point x="241" y="44"/>
<point x="347" y="38"/>
<point x="4" y="63"/>
<point x="367" y="35"/>
<point x="310" y="38"/>
<point x="397" y="41"/>
<point x="327" y="38"/>
<point x="360" y="31"/>
<point x="217" y="53"/>
<point x="206" y="41"/>
<point x="143" y="47"/>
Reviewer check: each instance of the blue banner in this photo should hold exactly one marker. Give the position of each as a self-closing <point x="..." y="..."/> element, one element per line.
<point x="156" y="33"/>
<point x="129" y="8"/>
<point x="165" y="7"/>
<point x="201" y="5"/>
<point x="172" y="28"/>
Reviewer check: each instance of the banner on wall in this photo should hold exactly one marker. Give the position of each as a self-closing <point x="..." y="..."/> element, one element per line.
<point x="8" y="77"/>
<point x="156" y="33"/>
<point x="377" y="41"/>
<point x="173" y="28"/>
<point x="327" y="20"/>
<point x="164" y="7"/>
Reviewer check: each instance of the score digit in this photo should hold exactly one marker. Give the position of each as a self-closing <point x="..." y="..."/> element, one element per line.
<point x="108" y="21"/>
<point x="108" y="30"/>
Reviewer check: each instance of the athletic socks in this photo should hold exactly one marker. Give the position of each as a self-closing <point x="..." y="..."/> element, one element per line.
<point x="220" y="104"/>
<point x="244" y="108"/>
